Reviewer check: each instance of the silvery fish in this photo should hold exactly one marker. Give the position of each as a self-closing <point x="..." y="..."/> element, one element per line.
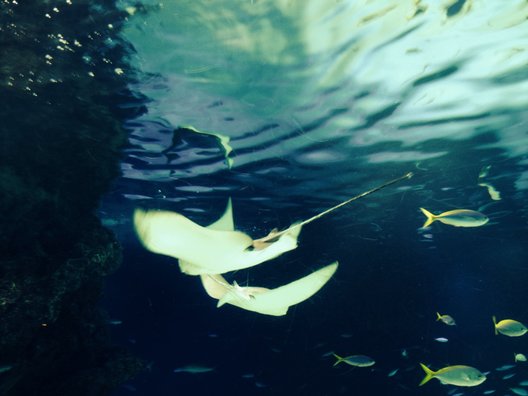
<point x="193" y="369"/>
<point x="519" y="391"/>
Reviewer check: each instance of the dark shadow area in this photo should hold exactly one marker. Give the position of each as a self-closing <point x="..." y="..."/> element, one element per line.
<point x="63" y="82"/>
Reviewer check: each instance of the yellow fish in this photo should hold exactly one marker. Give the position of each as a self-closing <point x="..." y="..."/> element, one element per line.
<point x="448" y="320"/>
<point x="519" y="357"/>
<point x="355" y="360"/>
<point x="492" y="191"/>
<point x="509" y="327"/>
<point x="457" y="218"/>
<point x="454" y="375"/>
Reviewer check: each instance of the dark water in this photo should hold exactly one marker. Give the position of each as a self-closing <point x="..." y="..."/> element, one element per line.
<point x="320" y="101"/>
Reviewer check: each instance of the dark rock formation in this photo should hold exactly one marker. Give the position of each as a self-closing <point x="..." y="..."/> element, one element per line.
<point x="63" y="76"/>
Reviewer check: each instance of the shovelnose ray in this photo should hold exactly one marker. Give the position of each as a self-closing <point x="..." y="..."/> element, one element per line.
<point x="206" y="250"/>
<point x="265" y="301"/>
<point x="219" y="248"/>
<point x="182" y="130"/>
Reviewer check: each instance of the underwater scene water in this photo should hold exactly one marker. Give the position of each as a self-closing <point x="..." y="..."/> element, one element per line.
<point x="254" y="115"/>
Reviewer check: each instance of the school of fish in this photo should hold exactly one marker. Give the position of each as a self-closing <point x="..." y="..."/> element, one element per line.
<point x="158" y="231"/>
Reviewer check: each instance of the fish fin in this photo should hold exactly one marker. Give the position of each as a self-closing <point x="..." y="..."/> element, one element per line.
<point x="495" y="324"/>
<point x="276" y="301"/>
<point x="438" y="316"/>
<point x="430" y="217"/>
<point x="428" y="374"/>
<point x="339" y="359"/>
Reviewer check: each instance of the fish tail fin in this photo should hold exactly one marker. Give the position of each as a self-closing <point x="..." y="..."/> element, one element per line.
<point x="339" y="359"/>
<point x="438" y="316"/>
<point x="428" y="374"/>
<point x="430" y="217"/>
<point x="495" y="324"/>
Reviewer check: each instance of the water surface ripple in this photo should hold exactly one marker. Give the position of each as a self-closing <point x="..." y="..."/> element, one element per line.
<point x="324" y="99"/>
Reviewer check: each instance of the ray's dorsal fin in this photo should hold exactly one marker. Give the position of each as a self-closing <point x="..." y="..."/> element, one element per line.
<point x="226" y="222"/>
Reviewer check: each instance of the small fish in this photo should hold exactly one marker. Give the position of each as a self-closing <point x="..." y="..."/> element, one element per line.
<point x="523" y="383"/>
<point x="441" y="339"/>
<point x="355" y="360"/>
<point x="5" y="368"/>
<point x="193" y="369"/>
<point x="505" y="367"/>
<point x="484" y="171"/>
<point x="519" y="391"/>
<point x="519" y="357"/>
<point x="489" y="392"/>
<point x="509" y="327"/>
<point x="454" y="375"/>
<point x="392" y="373"/>
<point x="448" y="320"/>
<point x="457" y="218"/>
<point x="492" y="191"/>
<point x="508" y="376"/>
<point x="114" y="322"/>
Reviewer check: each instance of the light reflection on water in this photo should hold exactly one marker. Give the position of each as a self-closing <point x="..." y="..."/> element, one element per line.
<point x="318" y="97"/>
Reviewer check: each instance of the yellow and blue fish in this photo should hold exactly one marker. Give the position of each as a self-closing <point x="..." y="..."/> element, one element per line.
<point x="456" y="218"/>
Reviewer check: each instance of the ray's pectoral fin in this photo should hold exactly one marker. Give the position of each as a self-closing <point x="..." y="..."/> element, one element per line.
<point x="276" y="302"/>
<point x="215" y="285"/>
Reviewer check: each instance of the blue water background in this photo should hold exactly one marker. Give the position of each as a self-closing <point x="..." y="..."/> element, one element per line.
<point x="322" y="101"/>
